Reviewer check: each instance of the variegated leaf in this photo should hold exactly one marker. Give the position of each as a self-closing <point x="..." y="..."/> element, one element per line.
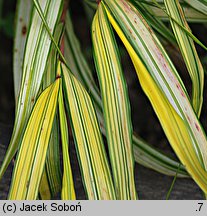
<point x="164" y="88"/>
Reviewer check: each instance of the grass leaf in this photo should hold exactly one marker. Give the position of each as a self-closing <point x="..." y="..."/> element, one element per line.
<point x="199" y="5"/>
<point x="162" y="85"/>
<point x="35" y="58"/>
<point x="89" y="144"/>
<point x="68" y="191"/>
<point x="22" y="19"/>
<point x="189" y="53"/>
<point x="53" y="166"/>
<point x="44" y="188"/>
<point x="116" y="107"/>
<point x="143" y="152"/>
<point x="31" y="157"/>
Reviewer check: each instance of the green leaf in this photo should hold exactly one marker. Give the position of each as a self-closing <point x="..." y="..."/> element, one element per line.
<point x="189" y="53"/>
<point x="31" y="157"/>
<point x="68" y="191"/>
<point x="44" y="188"/>
<point x="116" y="109"/>
<point x="162" y="85"/>
<point x="143" y="152"/>
<point x="195" y="10"/>
<point x="89" y="144"/>
<point x="155" y="22"/>
<point x="22" y="19"/>
<point x="200" y="5"/>
<point x="186" y="30"/>
<point x="53" y="167"/>
<point x="35" y="58"/>
<point x="190" y="8"/>
<point x="77" y="61"/>
<point x="153" y="159"/>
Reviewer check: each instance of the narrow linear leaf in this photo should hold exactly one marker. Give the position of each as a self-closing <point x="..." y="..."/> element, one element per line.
<point x="53" y="167"/>
<point x="186" y="30"/>
<point x="68" y="191"/>
<point x="35" y="58"/>
<point x="32" y="153"/>
<point x="144" y="153"/>
<point x="115" y="106"/>
<point x="148" y="157"/>
<point x="44" y="188"/>
<point x="155" y="22"/>
<point x="77" y="61"/>
<point x="200" y="5"/>
<point x="194" y="10"/>
<point x="22" y="19"/>
<point x="89" y="144"/>
<point x="162" y="85"/>
<point x="189" y="53"/>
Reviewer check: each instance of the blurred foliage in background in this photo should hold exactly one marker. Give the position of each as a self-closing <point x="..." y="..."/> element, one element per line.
<point x="7" y="18"/>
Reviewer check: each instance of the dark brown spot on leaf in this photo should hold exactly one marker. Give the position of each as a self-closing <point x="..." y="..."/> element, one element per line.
<point x="24" y="30"/>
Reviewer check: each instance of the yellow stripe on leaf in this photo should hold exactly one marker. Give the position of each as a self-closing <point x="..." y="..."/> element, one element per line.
<point x="115" y="106"/>
<point x="89" y="144"/>
<point x="164" y="88"/>
<point x="189" y="53"/>
<point x="32" y="153"/>
<point x="68" y="191"/>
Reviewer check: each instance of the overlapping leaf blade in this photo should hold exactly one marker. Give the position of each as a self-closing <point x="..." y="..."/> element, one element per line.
<point x="115" y="106"/>
<point x="68" y="191"/>
<point x="143" y="153"/>
<point x="189" y="53"/>
<point x="200" y="5"/>
<point x="154" y="21"/>
<point x="164" y="88"/>
<point x="44" y="187"/>
<point x="23" y="14"/>
<point x="89" y="144"/>
<point x="193" y="10"/>
<point x="77" y="61"/>
<point x="53" y="167"/>
<point x="31" y="157"/>
<point x="35" y="58"/>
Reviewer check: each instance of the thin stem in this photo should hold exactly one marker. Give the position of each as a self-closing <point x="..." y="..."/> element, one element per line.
<point x="173" y="183"/>
<point x="39" y="10"/>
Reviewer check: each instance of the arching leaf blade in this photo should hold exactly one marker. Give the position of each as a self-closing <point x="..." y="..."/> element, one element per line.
<point x="32" y="153"/>
<point x="189" y="53"/>
<point x="116" y="109"/>
<point x="22" y="19"/>
<point x="68" y="191"/>
<point x="143" y="152"/>
<point x="165" y="90"/>
<point x="89" y="144"/>
<point x="35" y="58"/>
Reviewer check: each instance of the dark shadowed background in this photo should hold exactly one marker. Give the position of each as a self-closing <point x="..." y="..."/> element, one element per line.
<point x="150" y="185"/>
